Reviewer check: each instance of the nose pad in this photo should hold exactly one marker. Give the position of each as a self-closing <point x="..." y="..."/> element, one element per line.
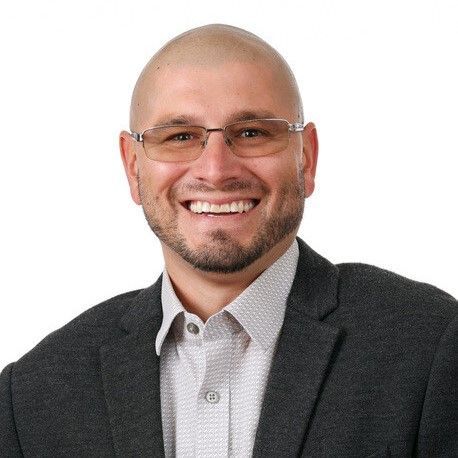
<point x="228" y="141"/>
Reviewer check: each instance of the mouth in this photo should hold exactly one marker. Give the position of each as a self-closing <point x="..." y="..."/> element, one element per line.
<point x="227" y="208"/>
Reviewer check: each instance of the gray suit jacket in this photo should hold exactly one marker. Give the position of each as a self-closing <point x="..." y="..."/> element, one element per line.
<point x="366" y="365"/>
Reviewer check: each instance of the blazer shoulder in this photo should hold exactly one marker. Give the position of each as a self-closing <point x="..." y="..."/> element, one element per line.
<point x="368" y="284"/>
<point x="91" y="328"/>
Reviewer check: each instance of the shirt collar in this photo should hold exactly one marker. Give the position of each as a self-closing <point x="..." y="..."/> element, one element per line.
<point x="260" y="308"/>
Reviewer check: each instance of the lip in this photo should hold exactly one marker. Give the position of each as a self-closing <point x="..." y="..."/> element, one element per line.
<point x="225" y="200"/>
<point x="235" y="216"/>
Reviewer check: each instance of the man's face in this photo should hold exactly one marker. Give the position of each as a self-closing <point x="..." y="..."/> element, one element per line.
<point x="276" y="184"/>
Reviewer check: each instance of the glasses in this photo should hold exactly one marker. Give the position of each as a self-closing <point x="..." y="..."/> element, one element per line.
<point x="252" y="138"/>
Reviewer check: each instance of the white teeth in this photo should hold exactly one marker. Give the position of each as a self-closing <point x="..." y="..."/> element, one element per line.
<point x="234" y="207"/>
<point x="196" y="207"/>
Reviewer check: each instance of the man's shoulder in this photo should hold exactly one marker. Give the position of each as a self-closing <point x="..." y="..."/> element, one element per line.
<point x="369" y="286"/>
<point x="91" y="329"/>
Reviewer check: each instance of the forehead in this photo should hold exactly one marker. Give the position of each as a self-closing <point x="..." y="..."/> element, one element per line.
<point x="213" y="91"/>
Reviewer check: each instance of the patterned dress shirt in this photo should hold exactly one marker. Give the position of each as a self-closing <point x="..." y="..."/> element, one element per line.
<point x="213" y="375"/>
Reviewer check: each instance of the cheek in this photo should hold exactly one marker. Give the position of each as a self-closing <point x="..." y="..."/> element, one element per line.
<point x="160" y="177"/>
<point x="277" y="169"/>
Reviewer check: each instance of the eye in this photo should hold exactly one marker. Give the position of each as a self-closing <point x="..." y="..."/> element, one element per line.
<point x="180" y="137"/>
<point x="250" y="133"/>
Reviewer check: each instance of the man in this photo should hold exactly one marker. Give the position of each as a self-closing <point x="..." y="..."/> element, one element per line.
<point x="250" y="343"/>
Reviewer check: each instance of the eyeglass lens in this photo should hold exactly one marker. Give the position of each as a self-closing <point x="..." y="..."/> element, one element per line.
<point x="245" y="138"/>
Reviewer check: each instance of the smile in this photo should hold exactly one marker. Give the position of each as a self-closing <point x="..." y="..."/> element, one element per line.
<point x="236" y="206"/>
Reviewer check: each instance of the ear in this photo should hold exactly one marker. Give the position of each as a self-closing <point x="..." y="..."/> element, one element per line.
<point x="310" y="156"/>
<point x="129" y="150"/>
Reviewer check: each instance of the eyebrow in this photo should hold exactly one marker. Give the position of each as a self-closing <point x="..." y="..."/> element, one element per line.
<point x="183" y="120"/>
<point x="175" y="119"/>
<point x="246" y="115"/>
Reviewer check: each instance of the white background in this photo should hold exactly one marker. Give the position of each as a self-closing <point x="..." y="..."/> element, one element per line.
<point x="379" y="79"/>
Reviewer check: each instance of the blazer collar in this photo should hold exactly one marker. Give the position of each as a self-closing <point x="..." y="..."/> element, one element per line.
<point x="131" y="379"/>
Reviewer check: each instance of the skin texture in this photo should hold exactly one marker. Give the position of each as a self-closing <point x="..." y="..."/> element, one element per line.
<point x="210" y="46"/>
<point x="212" y="76"/>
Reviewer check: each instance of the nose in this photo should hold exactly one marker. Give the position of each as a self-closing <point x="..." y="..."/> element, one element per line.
<point x="217" y="164"/>
<point x="209" y="131"/>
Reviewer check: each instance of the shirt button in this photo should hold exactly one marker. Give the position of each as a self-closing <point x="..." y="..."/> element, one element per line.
<point x="212" y="397"/>
<point x="192" y="328"/>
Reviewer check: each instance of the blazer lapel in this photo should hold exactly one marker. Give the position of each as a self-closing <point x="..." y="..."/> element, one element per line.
<point x="131" y="381"/>
<point x="302" y="359"/>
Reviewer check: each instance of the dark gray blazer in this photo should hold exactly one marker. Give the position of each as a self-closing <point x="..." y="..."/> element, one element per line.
<point x="366" y="365"/>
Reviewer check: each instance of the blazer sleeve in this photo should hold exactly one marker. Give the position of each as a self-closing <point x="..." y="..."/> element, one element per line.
<point x="438" y="432"/>
<point x="9" y="443"/>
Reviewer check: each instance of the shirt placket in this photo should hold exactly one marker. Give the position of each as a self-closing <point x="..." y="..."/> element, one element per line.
<point x="213" y="399"/>
<point x="191" y="357"/>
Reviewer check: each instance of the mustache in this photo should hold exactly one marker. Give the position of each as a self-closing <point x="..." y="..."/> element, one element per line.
<point x="235" y="185"/>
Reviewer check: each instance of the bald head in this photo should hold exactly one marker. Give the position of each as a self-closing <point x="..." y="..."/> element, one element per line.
<point x="210" y="46"/>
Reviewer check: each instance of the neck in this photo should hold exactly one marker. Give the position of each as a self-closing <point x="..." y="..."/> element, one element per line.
<point x="206" y="293"/>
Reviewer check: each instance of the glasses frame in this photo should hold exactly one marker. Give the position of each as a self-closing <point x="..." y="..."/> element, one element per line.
<point x="292" y="127"/>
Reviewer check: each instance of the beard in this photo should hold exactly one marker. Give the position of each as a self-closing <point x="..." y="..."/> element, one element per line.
<point x="223" y="253"/>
